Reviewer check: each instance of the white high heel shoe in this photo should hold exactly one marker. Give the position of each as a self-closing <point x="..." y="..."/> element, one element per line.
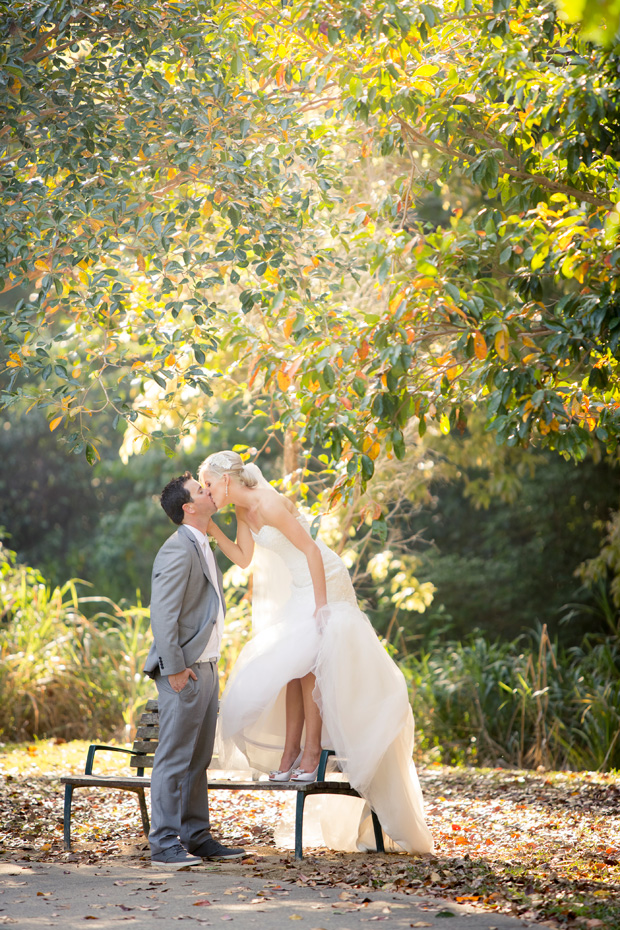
<point x="285" y="774"/>
<point x="307" y="777"/>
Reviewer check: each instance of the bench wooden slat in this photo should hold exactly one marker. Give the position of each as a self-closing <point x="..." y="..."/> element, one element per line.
<point x="147" y="733"/>
<point x="145" y="745"/>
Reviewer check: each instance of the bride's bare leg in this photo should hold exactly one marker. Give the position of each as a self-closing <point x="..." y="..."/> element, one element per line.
<point x="294" y="724"/>
<point x="314" y="725"/>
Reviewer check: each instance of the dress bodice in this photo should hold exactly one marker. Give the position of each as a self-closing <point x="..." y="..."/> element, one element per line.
<point x="339" y="587"/>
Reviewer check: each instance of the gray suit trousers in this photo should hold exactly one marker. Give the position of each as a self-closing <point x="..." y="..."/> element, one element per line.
<point x="179" y="799"/>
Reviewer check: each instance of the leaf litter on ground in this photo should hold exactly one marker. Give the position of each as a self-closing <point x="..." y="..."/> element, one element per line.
<point x="544" y="846"/>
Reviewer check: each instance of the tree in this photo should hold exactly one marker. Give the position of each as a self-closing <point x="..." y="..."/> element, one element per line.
<point x="189" y="173"/>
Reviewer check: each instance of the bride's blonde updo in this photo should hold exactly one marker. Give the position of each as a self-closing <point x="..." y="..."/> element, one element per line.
<point x="228" y="463"/>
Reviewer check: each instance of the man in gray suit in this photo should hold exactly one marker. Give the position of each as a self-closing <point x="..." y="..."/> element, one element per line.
<point x="187" y="615"/>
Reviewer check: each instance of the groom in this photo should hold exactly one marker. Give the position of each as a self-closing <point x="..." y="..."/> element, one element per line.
<point x="187" y="616"/>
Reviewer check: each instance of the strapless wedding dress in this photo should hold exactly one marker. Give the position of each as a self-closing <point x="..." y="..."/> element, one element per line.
<point x="361" y="692"/>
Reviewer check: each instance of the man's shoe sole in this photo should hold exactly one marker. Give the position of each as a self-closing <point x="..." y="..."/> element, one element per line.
<point x="215" y="858"/>
<point x="157" y="864"/>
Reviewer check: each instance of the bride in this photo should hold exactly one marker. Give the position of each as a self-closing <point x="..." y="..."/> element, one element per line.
<point x="314" y="673"/>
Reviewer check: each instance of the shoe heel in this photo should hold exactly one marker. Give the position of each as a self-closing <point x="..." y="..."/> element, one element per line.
<point x="283" y="775"/>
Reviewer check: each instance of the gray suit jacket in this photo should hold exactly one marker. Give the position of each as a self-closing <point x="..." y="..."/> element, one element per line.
<point x="184" y="604"/>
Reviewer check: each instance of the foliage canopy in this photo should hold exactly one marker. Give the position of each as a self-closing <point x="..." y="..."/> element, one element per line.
<point x="199" y="194"/>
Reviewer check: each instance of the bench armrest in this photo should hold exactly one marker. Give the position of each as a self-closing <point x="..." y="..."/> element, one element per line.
<point x="92" y="749"/>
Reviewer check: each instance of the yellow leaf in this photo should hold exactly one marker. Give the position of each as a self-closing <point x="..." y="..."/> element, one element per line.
<point x="137" y="365"/>
<point x="424" y="86"/>
<point x="140" y="262"/>
<point x="55" y="422"/>
<point x="423" y="283"/>
<point x="14" y="361"/>
<point x="480" y="346"/>
<point x="528" y="341"/>
<point x="501" y="345"/>
<point x="207" y="209"/>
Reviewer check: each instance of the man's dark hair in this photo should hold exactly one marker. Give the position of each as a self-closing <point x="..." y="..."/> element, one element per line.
<point x="174" y="495"/>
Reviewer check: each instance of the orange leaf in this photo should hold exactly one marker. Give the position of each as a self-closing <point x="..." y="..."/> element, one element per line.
<point x="480" y="346"/>
<point x="171" y="360"/>
<point x="55" y="422"/>
<point x="397" y="300"/>
<point x="363" y="350"/>
<point x="424" y="283"/>
<point x="283" y="380"/>
<point x="280" y="75"/>
<point x="140" y="262"/>
<point x="292" y="368"/>
<point x="287" y="326"/>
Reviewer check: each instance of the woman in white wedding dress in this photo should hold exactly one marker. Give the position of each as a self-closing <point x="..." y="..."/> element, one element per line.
<point x="314" y="667"/>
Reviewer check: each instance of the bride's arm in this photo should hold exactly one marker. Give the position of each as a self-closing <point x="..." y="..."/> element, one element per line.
<point x="277" y="515"/>
<point x="240" y="551"/>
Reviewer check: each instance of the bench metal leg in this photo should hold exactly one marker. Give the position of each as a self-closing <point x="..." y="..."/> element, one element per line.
<point x="146" y="826"/>
<point x="299" y="824"/>
<point x="67" y="816"/>
<point x="378" y="832"/>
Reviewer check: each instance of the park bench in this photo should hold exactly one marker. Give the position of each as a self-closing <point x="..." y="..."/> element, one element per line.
<point x="141" y="757"/>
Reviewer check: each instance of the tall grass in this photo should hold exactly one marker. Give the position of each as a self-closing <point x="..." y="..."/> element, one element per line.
<point x="526" y="703"/>
<point x="62" y="674"/>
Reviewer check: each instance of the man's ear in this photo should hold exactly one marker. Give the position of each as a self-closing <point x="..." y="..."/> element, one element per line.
<point x="188" y="507"/>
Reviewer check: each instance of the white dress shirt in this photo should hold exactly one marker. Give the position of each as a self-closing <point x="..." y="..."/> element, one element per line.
<point x="212" y="649"/>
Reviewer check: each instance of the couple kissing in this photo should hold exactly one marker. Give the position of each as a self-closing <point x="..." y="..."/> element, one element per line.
<point x="314" y="673"/>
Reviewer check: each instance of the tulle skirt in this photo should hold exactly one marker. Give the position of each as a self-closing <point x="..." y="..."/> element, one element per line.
<point x="367" y="720"/>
